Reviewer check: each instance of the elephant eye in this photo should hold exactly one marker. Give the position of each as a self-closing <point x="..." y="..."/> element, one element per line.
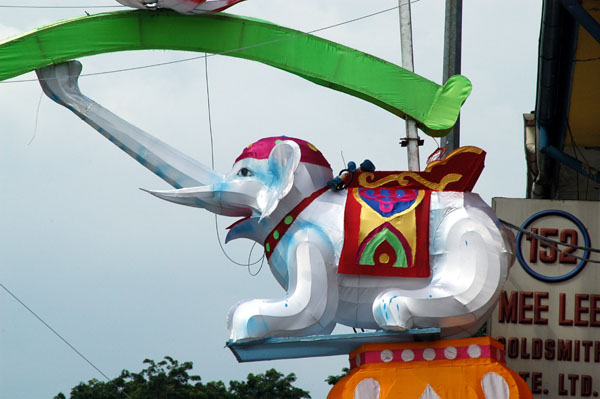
<point x="245" y="172"/>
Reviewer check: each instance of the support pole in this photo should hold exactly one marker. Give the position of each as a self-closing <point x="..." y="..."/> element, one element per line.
<point x="452" y="60"/>
<point x="412" y="136"/>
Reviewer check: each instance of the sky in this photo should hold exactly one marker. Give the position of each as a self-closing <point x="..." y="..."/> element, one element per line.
<point x="124" y="276"/>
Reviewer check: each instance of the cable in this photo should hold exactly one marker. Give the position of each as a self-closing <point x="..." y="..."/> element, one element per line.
<point x="225" y="253"/>
<point x="542" y="238"/>
<point x="575" y="153"/>
<point x="118" y="70"/>
<point x="212" y="159"/>
<point x="550" y="241"/>
<point x="212" y="143"/>
<point x="585" y="161"/>
<point x="261" y="263"/>
<point x="55" y="332"/>
<point x="226" y="51"/>
<point x="37" y="115"/>
<point x="587" y="59"/>
<point x="576" y="147"/>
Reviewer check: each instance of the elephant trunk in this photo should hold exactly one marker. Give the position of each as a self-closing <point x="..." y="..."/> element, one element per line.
<point x="227" y="199"/>
<point x="60" y="83"/>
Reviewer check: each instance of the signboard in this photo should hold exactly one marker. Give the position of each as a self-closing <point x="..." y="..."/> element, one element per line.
<point x="548" y="316"/>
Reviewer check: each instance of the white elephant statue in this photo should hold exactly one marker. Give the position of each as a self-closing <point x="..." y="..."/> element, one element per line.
<point x="279" y="187"/>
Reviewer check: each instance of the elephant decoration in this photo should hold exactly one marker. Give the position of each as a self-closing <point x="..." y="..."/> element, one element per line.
<point x="188" y="7"/>
<point x="392" y="250"/>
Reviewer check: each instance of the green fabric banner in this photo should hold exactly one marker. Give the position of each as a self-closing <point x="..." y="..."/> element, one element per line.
<point x="326" y="63"/>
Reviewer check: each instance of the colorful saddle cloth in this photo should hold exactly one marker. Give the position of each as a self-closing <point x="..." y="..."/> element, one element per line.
<point x="386" y="222"/>
<point x="386" y="232"/>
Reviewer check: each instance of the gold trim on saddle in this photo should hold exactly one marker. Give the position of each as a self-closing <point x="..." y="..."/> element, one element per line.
<point x="364" y="180"/>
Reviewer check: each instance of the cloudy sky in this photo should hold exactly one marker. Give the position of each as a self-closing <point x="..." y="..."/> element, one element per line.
<point x="124" y="276"/>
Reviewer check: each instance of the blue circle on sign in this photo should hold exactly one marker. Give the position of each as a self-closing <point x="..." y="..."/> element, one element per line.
<point x="580" y="265"/>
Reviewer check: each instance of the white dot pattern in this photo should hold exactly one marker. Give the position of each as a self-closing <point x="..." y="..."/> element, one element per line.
<point x="450" y="353"/>
<point x="429" y="354"/>
<point x="387" y="356"/>
<point x="407" y="355"/>
<point x="474" y="351"/>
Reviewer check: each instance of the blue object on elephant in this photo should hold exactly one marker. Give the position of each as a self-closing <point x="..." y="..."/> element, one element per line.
<point x="367" y="166"/>
<point x="336" y="184"/>
<point x="352" y="166"/>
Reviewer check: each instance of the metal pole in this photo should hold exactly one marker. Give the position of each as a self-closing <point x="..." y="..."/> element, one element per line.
<point x="452" y="60"/>
<point x="412" y="135"/>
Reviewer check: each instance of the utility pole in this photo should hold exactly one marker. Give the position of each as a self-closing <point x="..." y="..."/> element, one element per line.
<point x="452" y="60"/>
<point x="412" y="136"/>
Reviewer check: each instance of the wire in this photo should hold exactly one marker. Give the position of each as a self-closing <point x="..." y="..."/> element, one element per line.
<point x="249" y="47"/>
<point x="343" y="159"/>
<point x="575" y="153"/>
<point x="212" y="159"/>
<point x="587" y="59"/>
<point x="37" y="115"/>
<point x="585" y="161"/>
<point x="55" y="332"/>
<point x="550" y="241"/>
<point x="212" y="143"/>
<point x="225" y="253"/>
<point x="575" y="144"/>
<point x="542" y="238"/>
<point x="261" y="263"/>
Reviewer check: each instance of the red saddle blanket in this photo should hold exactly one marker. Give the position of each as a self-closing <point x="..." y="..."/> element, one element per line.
<point x="386" y="232"/>
<point x="386" y="221"/>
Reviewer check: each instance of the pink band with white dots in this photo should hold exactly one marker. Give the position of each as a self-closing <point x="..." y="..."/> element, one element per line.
<point x="428" y="354"/>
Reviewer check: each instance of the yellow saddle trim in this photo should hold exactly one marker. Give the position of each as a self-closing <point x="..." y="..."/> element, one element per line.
<point x="365" y="180"/>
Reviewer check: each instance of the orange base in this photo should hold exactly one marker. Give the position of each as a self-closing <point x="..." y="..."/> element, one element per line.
<point x="453" y="369"/>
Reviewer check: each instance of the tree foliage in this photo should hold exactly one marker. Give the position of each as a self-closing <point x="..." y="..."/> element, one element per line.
<point x="168" y="379"/>
<point x="333" y="379"/>
<point x="270" y="385"/>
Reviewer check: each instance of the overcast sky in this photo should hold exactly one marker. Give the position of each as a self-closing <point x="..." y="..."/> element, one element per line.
<point x="125" y="276"/>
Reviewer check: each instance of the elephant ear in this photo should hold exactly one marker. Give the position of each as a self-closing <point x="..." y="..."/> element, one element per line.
<point x="283" y="162"/>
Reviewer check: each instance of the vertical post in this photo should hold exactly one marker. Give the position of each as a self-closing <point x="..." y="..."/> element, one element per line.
<point x="412" y="136"/>
<point x="452" y="60"/>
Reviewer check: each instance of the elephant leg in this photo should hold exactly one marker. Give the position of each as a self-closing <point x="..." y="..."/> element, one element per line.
<point x="470" y="261"/>
<point x="308" y="308"/>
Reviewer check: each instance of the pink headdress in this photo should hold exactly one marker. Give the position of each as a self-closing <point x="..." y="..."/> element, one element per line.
<point x="262" y="148"/>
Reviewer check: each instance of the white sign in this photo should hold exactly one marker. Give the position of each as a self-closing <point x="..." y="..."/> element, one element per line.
<point x="548" y="316"/>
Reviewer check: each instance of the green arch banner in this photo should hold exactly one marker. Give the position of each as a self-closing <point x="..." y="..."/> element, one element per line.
<point x="326" y="63"/>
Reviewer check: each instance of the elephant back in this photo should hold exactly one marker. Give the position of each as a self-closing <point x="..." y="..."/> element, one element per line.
<point x="386" y="221"/>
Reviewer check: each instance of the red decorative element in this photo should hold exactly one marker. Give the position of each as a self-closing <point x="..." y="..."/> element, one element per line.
<point x="435" y="355"/>
<point x="388" y="202"/>
<point x="348" y="263"/>
<point x="458" y="172"/>
<point x="437" y="155"/>
<point x="385" y="247"/>
<point x="282" y="227"/>
<point x="263" y="147"/>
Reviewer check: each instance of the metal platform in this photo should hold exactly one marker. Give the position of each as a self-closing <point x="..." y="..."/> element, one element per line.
<point x="321" y="345"/>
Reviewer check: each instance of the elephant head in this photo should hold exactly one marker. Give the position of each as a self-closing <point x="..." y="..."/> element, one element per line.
<point x="270" y="176"/>
<point x="268" y="179"/>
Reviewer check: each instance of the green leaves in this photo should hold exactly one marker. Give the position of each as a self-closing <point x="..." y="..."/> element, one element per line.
<point x="168" y="379"/>
<point x="333" y="379"/>
<point x="270" y="385"/>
